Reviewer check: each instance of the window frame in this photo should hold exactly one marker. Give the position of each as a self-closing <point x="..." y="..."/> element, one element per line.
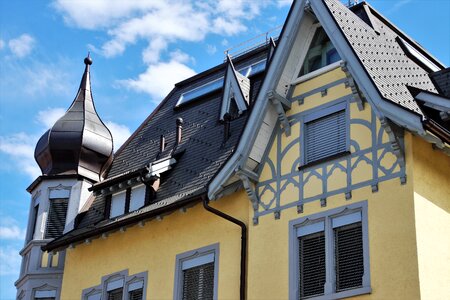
<point x="190" y="256"/>
<point x="315" y="114"/>
<point x="327" y="218"/>
<point x="128" y="280"/>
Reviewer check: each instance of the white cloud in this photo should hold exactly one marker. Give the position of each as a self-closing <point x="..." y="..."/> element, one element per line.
<point x="119" y="132"/>
<point x="2" y="44"/>
<point x="10" y="261"/>
<point x="159" y="79"/>
<point x="282" y="3"/>
<point x="9" y="229"/>
<point x="211" y="49"/>
<point x="49" y="116"/>
<point x="22" y="45"/>
<point x="20" y="148"/>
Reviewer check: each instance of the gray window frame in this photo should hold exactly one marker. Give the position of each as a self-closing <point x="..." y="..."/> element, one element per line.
<point x="127" y="281"/>
<point x="319" y="112"/>
<point x="327" y="217"/>
<point x="193" y="255"/>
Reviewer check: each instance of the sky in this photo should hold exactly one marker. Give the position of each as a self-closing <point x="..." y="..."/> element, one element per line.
<point x="140" y="49"/>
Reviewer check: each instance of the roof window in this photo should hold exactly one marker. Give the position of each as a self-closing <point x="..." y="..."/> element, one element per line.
<point x="416" y="56"/>
<point x="217" y="84"/>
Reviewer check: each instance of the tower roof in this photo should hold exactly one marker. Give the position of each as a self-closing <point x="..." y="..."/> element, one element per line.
<point x="79" y="142"/>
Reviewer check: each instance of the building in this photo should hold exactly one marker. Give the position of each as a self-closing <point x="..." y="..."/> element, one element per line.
<point x="314" y="166"/>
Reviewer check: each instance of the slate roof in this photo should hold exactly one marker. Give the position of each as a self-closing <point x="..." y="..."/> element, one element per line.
<point x="202" y="147"/>
<point x="390" y="69"/>
<point x="441" y="80"/>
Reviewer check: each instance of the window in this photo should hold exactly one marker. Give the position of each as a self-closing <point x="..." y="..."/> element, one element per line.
<point x="56" y="220"/>
<point x="218" y="83"/>
<point x="45" y="295"/>
<point x="330" y="254"/>
<point x="118" y="286"/>
<point x="129" y="200"/>
<point x="321" y="53"/>
<point x="325" y="133"/>
<point x="33" y="221"/>
<point x="196" y="274"/>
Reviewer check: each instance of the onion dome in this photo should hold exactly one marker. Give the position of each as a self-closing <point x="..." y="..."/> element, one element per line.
<point x="79" y="142"/>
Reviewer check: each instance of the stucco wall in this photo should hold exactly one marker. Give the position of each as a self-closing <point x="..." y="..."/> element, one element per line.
<point x="432" y="213"/>
<point x="154" y="247"/>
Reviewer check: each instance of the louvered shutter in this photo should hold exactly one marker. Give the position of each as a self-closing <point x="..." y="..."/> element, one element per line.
<point x="115" y="294"/>
<point x="198" y="282"/>
<point x="136" y="295"/>
<point x="325" y="136"/>
<point x="312" y="264"/>
<point x="56" y="218"/>
<point x="349" y="259"/>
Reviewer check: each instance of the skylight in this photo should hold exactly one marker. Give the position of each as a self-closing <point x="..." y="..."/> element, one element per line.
<point x="414" y="54"/>
<point x="218" y="83"/>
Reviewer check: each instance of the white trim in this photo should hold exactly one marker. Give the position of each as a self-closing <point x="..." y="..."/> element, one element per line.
<point x="346" y="219"/>
<point x="419" y="56"/>
<point x="112" y="285"/>
<point x="311" y="228"/>
<point x="198" y="261"/>
<point x="318" y="72"/>
<point x="45" y="294"/>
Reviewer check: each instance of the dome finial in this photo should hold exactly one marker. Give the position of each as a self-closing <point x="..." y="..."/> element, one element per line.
<point x="88" y="59"/>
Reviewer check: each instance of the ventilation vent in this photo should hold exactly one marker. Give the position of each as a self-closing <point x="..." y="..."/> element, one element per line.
<point x="56" y="218"/>
<point x="198" y="282"/>
<point x="312" y="264"/>
<point x="326" y="136"/>
<point x="349" y="256"/>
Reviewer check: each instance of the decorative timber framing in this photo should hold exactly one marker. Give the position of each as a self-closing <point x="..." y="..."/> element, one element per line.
<point x="357" y="96"/>
<point x="281" y="105"/>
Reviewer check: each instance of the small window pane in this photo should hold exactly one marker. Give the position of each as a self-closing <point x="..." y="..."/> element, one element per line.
<point x="136" y="294"/>
<point x="115" y="294"/>
<point x="137" y="197"/>
<point x="118" y="204"/>
<point x="325" y="136"/>
<point x="198" y="282"/>
<point x="56" y="218"/>
<point x="349" y="256"/>
<point x="312" y="264"/>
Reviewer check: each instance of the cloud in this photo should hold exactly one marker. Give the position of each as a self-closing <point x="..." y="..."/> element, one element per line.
<point x="211" y="49"/>
<point x="119" y="132"/>
<point x="10" y="258"/>
<point x="22" y="45"/>
<point x="9" y="229"/>
<point x="20" y="148"/>
<point x="2" y="44"/>
<point x="397" y="6"/>
<point x="49" y="116"/>
<point x="282" y="3"/>
<point x="159" y="79"/>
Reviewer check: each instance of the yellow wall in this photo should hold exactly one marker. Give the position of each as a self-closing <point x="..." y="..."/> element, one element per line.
<point x="432" y="212"/>
<point x="392" y="236"/>
<point x="154" y="247"/>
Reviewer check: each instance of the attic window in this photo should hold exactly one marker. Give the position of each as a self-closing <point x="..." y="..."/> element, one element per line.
<point x="416" y="56"/>
<point x="217" y="84"/>
<point x="321" y="53"/>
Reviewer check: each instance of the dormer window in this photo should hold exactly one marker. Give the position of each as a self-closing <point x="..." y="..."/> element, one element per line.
<point x="127" y="201"/>
<point x="321" y="53"/>
<point x="217" y="84"/>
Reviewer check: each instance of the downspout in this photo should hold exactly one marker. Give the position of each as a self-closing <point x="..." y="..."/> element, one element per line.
<point x="243" y="241"/>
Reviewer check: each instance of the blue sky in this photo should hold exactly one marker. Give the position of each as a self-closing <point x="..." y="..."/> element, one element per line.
<point x="140" y="49"/>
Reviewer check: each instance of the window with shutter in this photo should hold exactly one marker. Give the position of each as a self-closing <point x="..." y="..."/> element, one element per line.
<point x="136" y="294"/>
<point x="56" y="219"/>
<point x="312" y="264"/>
<point x="325" y="136"/>
<point x="348" y="251"/>
<point x="196" y="274"/>
<point x="198" y="282"/>
<point x="115" y="294"/>
<point x="331" y="254"/>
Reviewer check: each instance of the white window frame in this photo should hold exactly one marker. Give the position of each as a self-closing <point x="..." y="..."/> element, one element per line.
<point x="192" y="259"/>
<point x="308" y="224"/>
<point x="317" y="113"/>
<point x="119" y="279"/>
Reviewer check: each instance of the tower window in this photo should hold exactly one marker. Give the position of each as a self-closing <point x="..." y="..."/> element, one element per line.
<point x="56" y="218"/>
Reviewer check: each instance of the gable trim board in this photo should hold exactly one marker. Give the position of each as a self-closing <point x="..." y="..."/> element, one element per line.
<point x="383" y="108"/>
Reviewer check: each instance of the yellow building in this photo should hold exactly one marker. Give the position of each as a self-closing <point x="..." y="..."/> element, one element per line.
<point x="313" y="167"/>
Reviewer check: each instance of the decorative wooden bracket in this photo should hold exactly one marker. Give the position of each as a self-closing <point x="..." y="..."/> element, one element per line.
<point x="357" y="96"/>
<point x="396" y="135"/>
<point x="281" y="105"/>
<point x="248" y="186"/>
